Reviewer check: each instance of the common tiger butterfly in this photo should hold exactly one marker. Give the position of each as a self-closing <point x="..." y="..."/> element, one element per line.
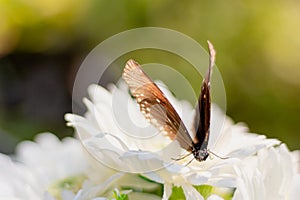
<point x="159" y="112"/>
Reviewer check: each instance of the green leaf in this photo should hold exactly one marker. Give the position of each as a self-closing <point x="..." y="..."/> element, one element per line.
<point x="177" y="194"/>
<point x="120" y="196"/>
<point x="204" y="190"/>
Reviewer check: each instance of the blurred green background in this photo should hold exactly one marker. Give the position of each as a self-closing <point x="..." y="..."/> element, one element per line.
<point x="42" y="43"/>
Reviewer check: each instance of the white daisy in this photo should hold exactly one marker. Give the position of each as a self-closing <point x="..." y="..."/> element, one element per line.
<point x="269" y="175"/>
<point x="117" y="137"/>
<point x="16" y="181"/>
<point x="39" y="165"/>
<point x="51" y="169"/>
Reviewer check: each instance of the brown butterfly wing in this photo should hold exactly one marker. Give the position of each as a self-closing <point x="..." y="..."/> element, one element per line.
<point x="203" y="108"/>
<point x="154" y="105"/>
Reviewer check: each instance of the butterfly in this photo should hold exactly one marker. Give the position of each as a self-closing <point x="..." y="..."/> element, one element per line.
<point x="160" y="113"/>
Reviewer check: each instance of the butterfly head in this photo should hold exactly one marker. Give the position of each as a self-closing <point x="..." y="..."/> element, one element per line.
<point x="200" y="154"/>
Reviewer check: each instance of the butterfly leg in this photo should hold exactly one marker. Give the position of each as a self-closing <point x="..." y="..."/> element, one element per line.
<point x="182" y="157"/>
<point x="189" y="162"/>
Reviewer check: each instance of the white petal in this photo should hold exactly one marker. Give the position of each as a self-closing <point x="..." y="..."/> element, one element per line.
<point x="154" y="177"/>
<point x="198" y="178"/>
<point x="99" y="94"/>
<point x="84" y="127"/>
<point x="67" y="195"/>
<point x="214" y="197"/>
<point x="94" y="191"/>
<point x="142" y="196"/>
<point x="167" y="191"/>
<point x="17" y="181"/>
<point x="191" y="193"/>
<point x="296" y="160"/>
<point x="294" y="192"/>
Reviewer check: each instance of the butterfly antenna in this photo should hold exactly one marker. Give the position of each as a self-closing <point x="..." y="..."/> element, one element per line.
<point x="217" y="155"/>
<point x="212" y="59"/>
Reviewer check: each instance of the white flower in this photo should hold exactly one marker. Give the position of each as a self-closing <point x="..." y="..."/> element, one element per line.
<point x="269" y="175"/>
<point x="49" y="158"/>
<point x="139" y="188"/>
<point x="115" y="133"/>
<point x="38" y="165"/>
<point x="16" y="181"/>
<point x="51" y="169"/>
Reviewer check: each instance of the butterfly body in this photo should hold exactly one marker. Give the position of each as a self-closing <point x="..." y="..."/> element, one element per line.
<point x="160" y="113"/>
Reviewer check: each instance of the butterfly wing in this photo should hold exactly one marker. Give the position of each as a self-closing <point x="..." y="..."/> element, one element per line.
<point x="202" y="117"/>
<point x="154" y="105"/>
